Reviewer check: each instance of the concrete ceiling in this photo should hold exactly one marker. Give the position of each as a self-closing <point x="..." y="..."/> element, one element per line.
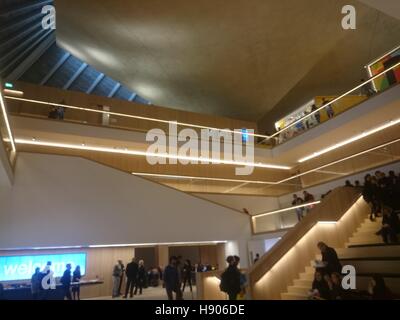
<point x="390" y="7"/>
<point x="249" y="59"/>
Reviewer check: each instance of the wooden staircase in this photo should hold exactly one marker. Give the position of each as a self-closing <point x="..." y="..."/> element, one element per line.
<point x="366" y="252"/>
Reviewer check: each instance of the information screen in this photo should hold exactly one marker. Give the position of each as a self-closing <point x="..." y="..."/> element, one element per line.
<point x="14" y="268"/>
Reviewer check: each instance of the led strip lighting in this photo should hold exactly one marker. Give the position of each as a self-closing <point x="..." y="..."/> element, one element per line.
<point x="117" y="114"/>
<point x="118" y="245"/>
<point x="3" y="108"/>
<point x="285" y="209"/>
<point x="334" y="100"/>
<point x="338" y="161"/>
<point x="148" y="154"/>
<point x="194" y="125"/>
<point x="350" y="140"/>
<point x="15" y="92"/>
<point x="157" y="175"/>
<point x="156" y="244"/>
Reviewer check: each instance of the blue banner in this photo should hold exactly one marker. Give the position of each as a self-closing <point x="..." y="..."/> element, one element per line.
<point x="14" y="268"/>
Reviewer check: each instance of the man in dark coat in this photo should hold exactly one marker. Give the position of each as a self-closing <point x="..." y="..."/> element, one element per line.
<point x="132" y="269"/>
<point x="330" y="259"/>
<point x="66" y="282"/>
<point x="171" y="279"/>
<point x="230" y="279"/>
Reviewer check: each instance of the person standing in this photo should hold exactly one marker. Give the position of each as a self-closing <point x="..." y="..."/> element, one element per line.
<point x="171" y="279"/>
<point x="116" y="276"/>
<point x="141" y="278"/>
<point x="296" y="202"/>
<point x="66" y="282"/>
<point x="329" y="109"/>
<point x="122" y="276"/>
<point x="317" y="115"/>
<point x="179" y="267"/>
<point x="76" y="287"/>
<point x="47" y="280"/>
<point x="231" y="279"/>
<point x="131" y="271"/>
<point x="308" y="197"/>
<point x="187" y="275"/>
<point x="35" y="284"/>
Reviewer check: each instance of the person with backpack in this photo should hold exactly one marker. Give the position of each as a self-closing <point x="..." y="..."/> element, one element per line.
<point x="231" y="279"/>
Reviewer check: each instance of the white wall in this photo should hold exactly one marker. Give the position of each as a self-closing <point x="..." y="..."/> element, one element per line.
<point x="254" y="204"/>
<point x="66" y="201"/>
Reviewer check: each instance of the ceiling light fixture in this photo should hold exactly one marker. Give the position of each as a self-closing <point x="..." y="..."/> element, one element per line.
<point x="350" y="140"/>
<point x="149" y="154"/>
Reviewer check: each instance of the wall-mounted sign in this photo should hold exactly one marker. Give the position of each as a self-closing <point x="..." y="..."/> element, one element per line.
<point x="15" y="268"/>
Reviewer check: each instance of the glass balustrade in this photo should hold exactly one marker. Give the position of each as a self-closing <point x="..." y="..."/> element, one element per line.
<point x="280" y="219"/>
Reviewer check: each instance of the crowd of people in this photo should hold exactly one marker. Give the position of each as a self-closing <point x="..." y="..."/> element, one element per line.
<point x="306" y="123"/>
<point x="70" y="282"/>
<point x="382" y="192"/>
<point x="298" y="201"/>
<point x="315" y="118"/>
<point x="175" y="277"/>
<point x="327" y="283"/>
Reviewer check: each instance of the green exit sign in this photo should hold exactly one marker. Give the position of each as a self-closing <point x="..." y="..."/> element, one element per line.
<point x="9" y="85"/>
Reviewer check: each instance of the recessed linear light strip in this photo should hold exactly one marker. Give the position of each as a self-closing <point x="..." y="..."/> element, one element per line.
<point x="157" y="175"/>
<point x="117" y="114"/>
<point x="5" y="115"/>
<point x="350" y="140"/>
<point x="338" y="161"/>
<point x="334" y="100"/>
<point x="117" y="245"/>
<point x="156" y="244"/>
<point x="148" y="154"/>
<point x="285" y="209"/>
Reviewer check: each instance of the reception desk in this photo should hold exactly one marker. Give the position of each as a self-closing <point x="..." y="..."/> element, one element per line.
<point x="23" y="292"/>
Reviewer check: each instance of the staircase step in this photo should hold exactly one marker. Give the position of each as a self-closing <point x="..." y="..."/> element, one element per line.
<point x="365" y="233"/>
<point x="365" y="244"/>
<point x="369" y="252"/>
<point x="291" y="296"/>
<point x="306" y="276"/>
<point x="375" y="266"/>
<point x="302" y="290"/>
<point x="303" y="283"/>
<point x="366" y="238"/>
<point x="310" y="270"/>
